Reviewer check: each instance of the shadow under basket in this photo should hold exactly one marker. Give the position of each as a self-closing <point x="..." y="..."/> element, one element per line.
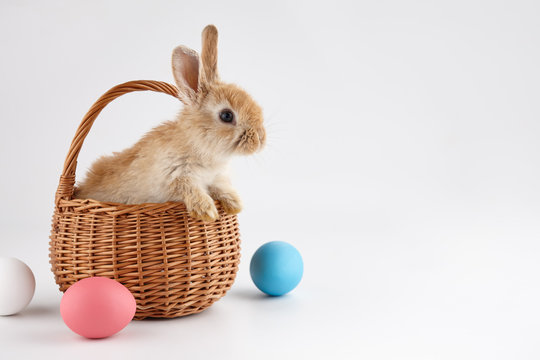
<point x="173" y="265"/>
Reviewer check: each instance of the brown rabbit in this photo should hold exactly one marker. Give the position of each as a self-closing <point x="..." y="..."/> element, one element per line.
<point x="186" y="159"/>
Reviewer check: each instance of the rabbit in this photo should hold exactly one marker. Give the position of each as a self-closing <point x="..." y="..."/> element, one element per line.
<point x="186" y="159"/>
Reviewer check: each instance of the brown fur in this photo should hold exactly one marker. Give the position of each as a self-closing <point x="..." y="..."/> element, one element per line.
<point x="209" y="53"/>
<point x="186" y="159"/>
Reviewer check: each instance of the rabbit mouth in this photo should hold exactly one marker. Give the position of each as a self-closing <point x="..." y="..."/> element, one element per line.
<point x="250" y="141"/>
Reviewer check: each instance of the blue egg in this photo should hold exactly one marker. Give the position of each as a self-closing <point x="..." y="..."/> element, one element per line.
<point x="276" y="268"/>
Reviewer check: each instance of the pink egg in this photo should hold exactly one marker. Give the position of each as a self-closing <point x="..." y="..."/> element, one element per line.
<point x="97" y="307"/>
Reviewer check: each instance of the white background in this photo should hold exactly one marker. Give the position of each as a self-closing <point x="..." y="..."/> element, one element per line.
<point x="403" y="162"/>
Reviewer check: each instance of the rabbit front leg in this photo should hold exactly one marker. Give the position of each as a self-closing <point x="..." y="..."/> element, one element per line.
<point x="199" y="204"/>
<point x="221" y="189"/>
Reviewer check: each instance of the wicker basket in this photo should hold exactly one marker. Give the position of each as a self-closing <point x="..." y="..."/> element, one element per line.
<point x="173" y="264"/>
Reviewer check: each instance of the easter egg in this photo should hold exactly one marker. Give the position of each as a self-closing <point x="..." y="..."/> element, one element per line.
<point x="276" y="268"/>
<point x="17" y="285"/>
<point x="97" y="307"/>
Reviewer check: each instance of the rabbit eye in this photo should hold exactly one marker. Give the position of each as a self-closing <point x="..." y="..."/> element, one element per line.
<point x="227" y="116"/>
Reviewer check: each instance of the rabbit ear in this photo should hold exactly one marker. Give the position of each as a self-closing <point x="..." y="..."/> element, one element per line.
<point x="209" y="53"/>
<point x="185" y="64"/>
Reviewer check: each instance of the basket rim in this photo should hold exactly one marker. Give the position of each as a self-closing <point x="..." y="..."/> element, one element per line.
<point x="113" y="208"/>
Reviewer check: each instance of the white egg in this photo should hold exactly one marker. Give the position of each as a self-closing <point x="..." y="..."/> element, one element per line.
<point x="17" y="285"/>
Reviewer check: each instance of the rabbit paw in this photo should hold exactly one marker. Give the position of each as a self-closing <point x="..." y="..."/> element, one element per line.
<point x="204" y="210"/>
<point x="231" y="203"/>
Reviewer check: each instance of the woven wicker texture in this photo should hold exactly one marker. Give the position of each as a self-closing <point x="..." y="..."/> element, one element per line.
<point x="173" y="264"/>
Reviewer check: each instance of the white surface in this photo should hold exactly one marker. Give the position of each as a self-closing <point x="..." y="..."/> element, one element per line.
<point x="403" y="163"/>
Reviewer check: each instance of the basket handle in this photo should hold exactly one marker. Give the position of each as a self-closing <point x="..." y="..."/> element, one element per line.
<point x="67" y="179"/>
